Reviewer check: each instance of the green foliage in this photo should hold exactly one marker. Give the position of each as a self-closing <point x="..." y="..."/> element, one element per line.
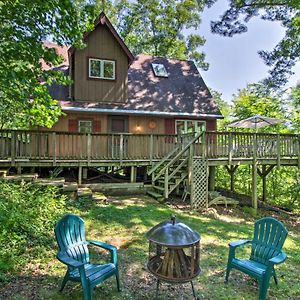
<point x="24" y="26"/>
<point x="156" y="27"/>
<point x="294" y="103"/>
<point x="27" y="217"/>
<point x="286" y="53"/>
<point x="255" y="100"/>
<point x="224" y="107"/>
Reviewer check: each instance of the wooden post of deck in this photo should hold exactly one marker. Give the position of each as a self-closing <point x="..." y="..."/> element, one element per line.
<point x="231" y="170"/>
<point x="212" y="178"/>
<point x="151" y="148"/>
<point x="84" y="173"/>
<point x="254" y="185"/>
<point x="254" y="173"/>
<point x="19" y="170"/>
<point x="166" y="184"/>
<point x="54" y="148"/>
<point x="230" y="148"/>
<point x="80" y="175"/>
<point x="264" y="182"/>
<point x="263" y="174"/>
<point x="133" y="174"/>
<point x="89" y="148"/>
<point x="278" y="151"/>
<point x="13" y="147"/>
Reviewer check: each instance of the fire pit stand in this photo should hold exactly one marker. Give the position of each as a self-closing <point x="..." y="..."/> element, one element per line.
<point x="174" y="253"/>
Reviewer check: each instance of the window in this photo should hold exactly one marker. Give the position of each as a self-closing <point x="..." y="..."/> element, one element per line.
<point x="85" y="126"/>
<point x="101" y="69"/>
<point x="159" y="70"/>
<point x="189" y="126"/>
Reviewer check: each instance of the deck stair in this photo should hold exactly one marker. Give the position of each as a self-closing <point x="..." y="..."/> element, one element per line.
<point x="169" y="173"/>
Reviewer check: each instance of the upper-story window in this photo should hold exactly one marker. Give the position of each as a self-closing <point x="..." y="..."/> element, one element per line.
<point x="102" y="68"/>
<point x="159" y="70"/>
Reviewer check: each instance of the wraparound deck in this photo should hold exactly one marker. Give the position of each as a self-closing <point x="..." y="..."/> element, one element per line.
<point x="47" y="149"/>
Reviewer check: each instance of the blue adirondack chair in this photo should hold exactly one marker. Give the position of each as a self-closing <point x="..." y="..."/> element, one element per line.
<point x="269" y="237"/>
<point x="73" y="252"/>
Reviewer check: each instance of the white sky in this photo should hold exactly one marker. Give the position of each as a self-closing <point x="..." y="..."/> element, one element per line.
<point x="234" y="61"/>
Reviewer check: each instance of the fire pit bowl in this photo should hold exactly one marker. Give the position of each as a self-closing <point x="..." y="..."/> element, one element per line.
<point x="174" y="252"/>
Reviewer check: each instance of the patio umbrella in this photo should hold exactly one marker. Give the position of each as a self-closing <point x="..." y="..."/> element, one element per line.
<point x="255" y="122"/>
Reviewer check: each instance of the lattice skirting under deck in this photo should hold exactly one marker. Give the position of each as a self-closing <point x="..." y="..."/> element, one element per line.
<point x="199" y="184"/>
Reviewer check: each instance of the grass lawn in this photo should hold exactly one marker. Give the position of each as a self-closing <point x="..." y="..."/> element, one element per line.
<point x="124" y="221"/>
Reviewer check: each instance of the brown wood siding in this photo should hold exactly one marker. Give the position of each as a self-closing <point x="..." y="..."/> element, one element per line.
<point x="134" y="123"/>
<point x="100" y="44"/>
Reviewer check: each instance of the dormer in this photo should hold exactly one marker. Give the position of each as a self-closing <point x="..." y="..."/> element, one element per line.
<point x="100" y="70"/>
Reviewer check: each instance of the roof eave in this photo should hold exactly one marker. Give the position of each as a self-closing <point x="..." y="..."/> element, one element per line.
<point x="141" y="112"/>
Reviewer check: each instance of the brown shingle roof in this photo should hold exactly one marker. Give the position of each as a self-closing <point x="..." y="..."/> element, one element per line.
<point x="183" y="92"/>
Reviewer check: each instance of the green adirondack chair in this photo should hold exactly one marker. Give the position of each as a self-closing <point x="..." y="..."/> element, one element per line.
<point x="269" y="237"/>
<point x="73" y="252"/>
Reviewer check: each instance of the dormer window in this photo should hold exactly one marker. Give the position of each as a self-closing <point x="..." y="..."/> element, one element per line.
<point x="102" y="69"/>
<point x="159" y="70"/>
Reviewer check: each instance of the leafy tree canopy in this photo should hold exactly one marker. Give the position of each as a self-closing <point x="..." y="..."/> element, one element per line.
<point x="287" y="52"/>
<point x="24" y="25"/>
<point x="253" y="101"/>
<point x="156" y="27"/>
<point x="294" y="104"/>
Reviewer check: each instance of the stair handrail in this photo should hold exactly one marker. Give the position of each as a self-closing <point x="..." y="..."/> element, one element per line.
<point x="171" y="162"/>
<point x="155" y="167"/>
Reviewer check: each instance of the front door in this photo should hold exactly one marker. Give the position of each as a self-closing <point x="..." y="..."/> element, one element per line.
<point x="118" y="143"/>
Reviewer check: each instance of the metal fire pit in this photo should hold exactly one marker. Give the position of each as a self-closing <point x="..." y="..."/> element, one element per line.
<point x="174" y="253"/>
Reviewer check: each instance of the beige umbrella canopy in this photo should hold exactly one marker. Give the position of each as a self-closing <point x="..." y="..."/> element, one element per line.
<point x="255" y="122"/>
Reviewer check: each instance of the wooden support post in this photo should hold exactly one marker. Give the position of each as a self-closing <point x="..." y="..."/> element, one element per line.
<point x="80" y="175"/>
<point x="133" y="174"/>
<point x="13" y="147"/>
<point x="231" y="170"/>
<point x="278" y="151"/>
<point x="151" y="148"/>
<point x="121" y="148"/>
<point x="190" y="164"/>
<point x="230" y="146"/>
<point x="264" y="184"/>
<point x="166" y="185"/>
<point x="89" y="148"/>
<point x="54" y="148"/>
<point x="263" y="174"/>
<point x="84" y="173"/>
<point x="19" y="170"/>
<point x="254" y="185"/>
<point x="212" y="178"/>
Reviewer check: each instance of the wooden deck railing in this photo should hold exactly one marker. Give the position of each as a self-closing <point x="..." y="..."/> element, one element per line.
<point x="249" y="145"/>
<point x="63" y="146"/>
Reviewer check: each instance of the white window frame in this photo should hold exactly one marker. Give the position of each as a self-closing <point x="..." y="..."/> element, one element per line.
<point x="198" y="129"/>
<point x="85" y="121"/>
<point x="101" y="76"/>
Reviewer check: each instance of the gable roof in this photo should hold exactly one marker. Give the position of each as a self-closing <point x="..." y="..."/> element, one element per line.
<point x="103" y="20"/>
<point x="182" y="93"/>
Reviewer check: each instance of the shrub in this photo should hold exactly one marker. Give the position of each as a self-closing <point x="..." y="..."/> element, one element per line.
<point x="27" y="216"/>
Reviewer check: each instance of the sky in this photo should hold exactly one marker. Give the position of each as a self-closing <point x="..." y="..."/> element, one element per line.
<point x="234" y="61"/>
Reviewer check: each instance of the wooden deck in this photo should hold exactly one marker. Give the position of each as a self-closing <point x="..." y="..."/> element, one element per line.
<point x="46" y="148"/>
